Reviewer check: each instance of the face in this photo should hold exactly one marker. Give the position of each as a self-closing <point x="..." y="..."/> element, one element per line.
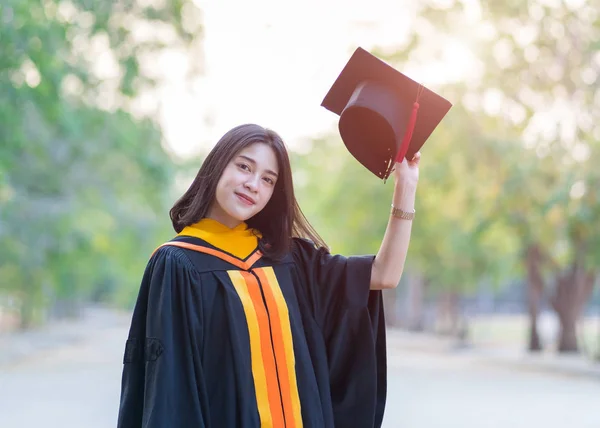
<point x="245" y="186"/>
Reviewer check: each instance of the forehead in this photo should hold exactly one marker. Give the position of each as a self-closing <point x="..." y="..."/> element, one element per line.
<point x="262" y="154"/>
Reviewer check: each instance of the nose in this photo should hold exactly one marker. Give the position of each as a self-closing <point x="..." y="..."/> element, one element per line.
<point x="252" y="184"/>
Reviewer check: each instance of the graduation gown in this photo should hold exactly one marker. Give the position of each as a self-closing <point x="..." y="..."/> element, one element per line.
<point x="220" y="342"/>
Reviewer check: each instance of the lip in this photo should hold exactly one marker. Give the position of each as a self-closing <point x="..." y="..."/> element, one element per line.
<point x="245" y="199"/>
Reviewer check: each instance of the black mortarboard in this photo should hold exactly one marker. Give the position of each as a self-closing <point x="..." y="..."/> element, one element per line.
<point x="378" y="107"/>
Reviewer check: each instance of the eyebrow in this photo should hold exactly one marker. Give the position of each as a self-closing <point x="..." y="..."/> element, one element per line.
<point x="252" y="161"/>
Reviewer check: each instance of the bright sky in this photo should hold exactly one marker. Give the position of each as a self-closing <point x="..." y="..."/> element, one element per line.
<point x="272" y="62"/>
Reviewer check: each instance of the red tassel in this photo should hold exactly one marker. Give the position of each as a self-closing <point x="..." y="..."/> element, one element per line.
<point x="409" y="128"/>
<point x="409" y="132"/>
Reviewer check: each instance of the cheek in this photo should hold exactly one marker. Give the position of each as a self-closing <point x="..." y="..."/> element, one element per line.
<point x="268" y="194"/>
<point x="227" y="180"/>
<point x="220" y="186"/>
<point x="223" y="188"/>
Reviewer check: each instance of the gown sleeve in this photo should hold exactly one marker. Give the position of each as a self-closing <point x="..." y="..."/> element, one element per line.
<point x="162" y="380"/>
<point x="353" y="326"/>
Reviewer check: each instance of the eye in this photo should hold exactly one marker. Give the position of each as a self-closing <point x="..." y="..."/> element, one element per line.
<point x="269" y="180"/>
<point x="243" y="166"/>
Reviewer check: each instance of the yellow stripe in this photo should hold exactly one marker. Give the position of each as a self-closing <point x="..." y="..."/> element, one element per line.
<point x="258" y="370"/>
<point x="287" y="341"/>
<point x="276" y="344"/>
<point x="268" y="354"/>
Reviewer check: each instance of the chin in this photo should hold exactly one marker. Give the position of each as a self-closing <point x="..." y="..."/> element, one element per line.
<point x="242" y="216"/>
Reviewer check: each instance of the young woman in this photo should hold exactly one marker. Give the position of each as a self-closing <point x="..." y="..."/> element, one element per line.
<point x="245" y="319"/>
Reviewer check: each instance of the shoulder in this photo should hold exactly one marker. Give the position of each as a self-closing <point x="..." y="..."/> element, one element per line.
<point x="306" y="244"/>
<point x="168" y="280"/>
<point x="307" y="253"/>
<point x="169" y="268"/>
<point x="170" y="256"/>
<point x="303" y="246"/>
<point x="299" y="243"/>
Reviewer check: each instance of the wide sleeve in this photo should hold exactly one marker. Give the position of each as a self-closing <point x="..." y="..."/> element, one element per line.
<point x="162" y="381"/>
<point x="352" y="321"/>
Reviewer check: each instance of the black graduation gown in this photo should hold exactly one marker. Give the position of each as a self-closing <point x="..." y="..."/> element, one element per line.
<point x="220" y="342"/>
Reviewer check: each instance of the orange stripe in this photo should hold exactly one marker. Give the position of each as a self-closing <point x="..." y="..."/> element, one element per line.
<point x="256" y="358"/>
<point x="220" y="254"/>
<point x="284" y="350"/>
<point x="266" y="348"/>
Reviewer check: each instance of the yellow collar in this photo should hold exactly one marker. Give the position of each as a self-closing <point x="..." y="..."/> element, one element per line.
<point x="240" y="241"/>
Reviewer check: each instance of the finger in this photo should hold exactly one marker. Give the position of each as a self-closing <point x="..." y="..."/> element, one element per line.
<point x="416" y="158"/>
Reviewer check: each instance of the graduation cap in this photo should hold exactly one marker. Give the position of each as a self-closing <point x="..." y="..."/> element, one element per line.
<point x="378" y="109"/>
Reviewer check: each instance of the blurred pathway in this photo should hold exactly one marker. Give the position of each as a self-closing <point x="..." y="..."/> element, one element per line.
<point x="76" y="385"/>
<point x="437" y="387"/>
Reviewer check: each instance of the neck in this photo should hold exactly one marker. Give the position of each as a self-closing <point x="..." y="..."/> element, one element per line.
<point x="221" y="217"/>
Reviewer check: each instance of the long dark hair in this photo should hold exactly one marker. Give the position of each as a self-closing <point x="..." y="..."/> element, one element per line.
<point x="279" y="221"/>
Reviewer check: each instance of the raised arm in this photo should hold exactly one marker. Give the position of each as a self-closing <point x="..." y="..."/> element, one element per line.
<point x="389" y="262"/>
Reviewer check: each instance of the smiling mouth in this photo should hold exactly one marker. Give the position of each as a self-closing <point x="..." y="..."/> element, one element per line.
<point x="245" y="199"/>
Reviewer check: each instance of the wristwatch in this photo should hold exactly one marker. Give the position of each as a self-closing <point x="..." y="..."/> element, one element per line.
<point x="404" y="215"/>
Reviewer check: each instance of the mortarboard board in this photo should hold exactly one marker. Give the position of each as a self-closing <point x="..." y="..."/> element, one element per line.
<point x="378" y="107"/>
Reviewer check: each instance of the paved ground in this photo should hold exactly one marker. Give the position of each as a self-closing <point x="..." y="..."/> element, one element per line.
<point x="458" y="391"/>
<point x="77" y="386"/>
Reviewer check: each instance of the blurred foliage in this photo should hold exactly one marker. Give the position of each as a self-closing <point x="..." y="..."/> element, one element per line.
<point x="83" y="182"/>
<point x="514" y="161"/>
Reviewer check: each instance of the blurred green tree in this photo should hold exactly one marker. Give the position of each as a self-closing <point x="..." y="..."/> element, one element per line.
<point x="536" y="95"/>
<point x="83" y="175"/>
<point x="508" y="186"/>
